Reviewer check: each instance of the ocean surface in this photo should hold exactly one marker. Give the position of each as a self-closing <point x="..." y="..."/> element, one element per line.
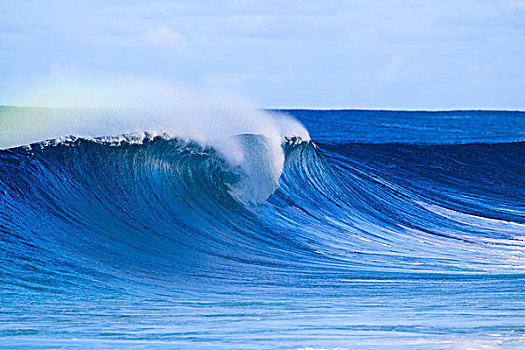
<point x="360" y="230"/>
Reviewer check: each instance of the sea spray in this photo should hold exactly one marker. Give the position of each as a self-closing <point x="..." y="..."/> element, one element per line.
<point x="127" y="107"/>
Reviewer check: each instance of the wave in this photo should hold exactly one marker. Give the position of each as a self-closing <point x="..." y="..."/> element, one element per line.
<point x="389" y="207"/>
<point x="151" y="208"/>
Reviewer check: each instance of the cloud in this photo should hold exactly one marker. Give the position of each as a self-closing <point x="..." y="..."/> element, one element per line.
<point x="515" y="4"/>
<point x="165" y="36"/>
<point x="21" y="29"/>
<point x="392" y="71"/>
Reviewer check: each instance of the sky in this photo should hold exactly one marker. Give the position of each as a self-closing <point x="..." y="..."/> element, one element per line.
<point x="397" y="54"/>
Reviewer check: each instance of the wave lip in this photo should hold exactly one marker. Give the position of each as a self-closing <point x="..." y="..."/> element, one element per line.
<point x="260" y="159"/>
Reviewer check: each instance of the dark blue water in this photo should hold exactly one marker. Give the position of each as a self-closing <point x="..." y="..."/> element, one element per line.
<point x="388" y="230"/>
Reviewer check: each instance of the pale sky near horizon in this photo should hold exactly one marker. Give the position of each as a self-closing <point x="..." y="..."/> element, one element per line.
<point x="396" y="54"/>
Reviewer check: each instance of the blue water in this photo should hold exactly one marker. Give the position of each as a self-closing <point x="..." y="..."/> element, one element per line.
<point x="388" y="230"/>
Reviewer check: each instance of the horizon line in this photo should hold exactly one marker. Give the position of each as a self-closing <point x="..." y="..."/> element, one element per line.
<point x="456" y="109"/>
<point x="291" y="108"/>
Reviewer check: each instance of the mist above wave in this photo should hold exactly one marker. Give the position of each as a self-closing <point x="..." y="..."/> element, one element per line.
<point x="124" y="106"/>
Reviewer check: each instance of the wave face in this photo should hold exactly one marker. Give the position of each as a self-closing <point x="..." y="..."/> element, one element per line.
<point x="362" y="237"/>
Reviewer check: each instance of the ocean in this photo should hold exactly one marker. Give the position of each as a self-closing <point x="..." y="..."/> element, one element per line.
<point x="289" y="229"/>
